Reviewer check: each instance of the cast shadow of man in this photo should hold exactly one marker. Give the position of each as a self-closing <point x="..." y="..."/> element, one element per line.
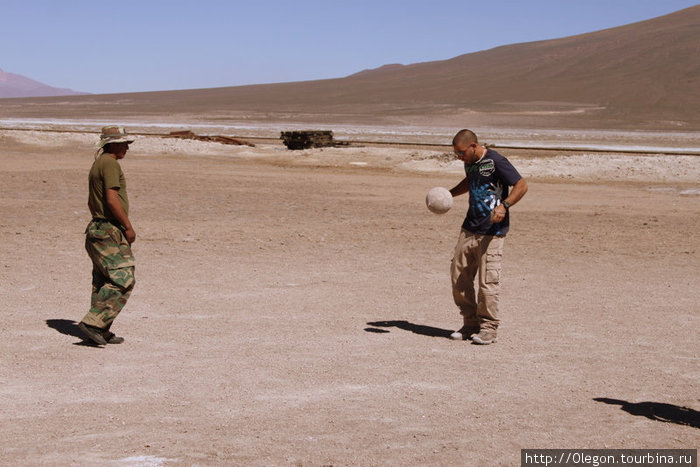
<point x="658" y="411"/>
<point x="70" y="328"/>
<point x="406" y="326"/>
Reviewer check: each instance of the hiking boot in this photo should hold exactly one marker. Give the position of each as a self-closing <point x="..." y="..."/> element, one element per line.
<point x="93" y="333"/>
<point x="465" y="333"/>
<point x="485" y="337"/>
<point x="111" y="338"/>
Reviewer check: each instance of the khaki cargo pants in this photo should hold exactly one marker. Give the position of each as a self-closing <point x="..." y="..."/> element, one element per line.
<point x="113" y="267"/>
<point x="482" y="255"/>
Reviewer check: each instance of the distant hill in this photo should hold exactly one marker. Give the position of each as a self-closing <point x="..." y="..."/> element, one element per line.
<point x="651" y="66"/>
<point x="642" y="75"/>
<point x="14" y="85"/>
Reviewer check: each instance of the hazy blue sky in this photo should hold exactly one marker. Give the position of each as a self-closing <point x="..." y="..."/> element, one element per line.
<point x="122" y="46"/>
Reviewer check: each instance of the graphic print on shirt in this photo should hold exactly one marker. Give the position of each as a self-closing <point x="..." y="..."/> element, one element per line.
<point x="485" y="197"/>
<point x="486" y="168"/>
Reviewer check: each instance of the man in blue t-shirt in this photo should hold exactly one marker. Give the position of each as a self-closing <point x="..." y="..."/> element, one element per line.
<point x="480" y="245"/>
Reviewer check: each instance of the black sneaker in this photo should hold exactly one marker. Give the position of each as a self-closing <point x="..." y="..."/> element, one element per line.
<point x="93" y="333"/>
<point x="111" y="338"/>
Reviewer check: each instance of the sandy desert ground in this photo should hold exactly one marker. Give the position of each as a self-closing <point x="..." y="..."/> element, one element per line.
<point x="293" y="308"/>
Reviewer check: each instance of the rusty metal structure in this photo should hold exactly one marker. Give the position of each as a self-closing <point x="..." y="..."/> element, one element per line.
<point x="307" y="139"/>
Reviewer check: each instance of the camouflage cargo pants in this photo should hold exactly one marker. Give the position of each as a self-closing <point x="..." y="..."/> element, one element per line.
<point x="112" y="272"/>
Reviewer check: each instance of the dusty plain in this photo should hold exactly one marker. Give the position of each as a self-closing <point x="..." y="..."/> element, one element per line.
<point x="293" y="308"/>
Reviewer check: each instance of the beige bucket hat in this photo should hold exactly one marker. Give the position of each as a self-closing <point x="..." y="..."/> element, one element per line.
<point x="114" y="134"/>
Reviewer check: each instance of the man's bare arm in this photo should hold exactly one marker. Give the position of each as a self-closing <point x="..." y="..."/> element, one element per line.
<point x="115" y="207"/>
<point x="461" y="188"/>
<point x="518" y="191"/>
<point x="515" y="195"/>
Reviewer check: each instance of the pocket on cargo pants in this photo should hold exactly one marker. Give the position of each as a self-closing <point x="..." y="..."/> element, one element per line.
<point x="494" y="260"/>
<point x="494" y="264"/>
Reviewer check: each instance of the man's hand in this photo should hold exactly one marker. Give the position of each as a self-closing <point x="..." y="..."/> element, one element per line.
<point x="498" y="214"/>
<point x="130" y="235"/>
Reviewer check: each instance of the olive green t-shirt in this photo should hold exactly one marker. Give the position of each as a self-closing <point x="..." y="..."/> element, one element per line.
<point x="106" y="173"/>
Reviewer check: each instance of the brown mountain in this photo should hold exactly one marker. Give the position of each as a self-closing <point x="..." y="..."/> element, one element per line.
<point x="642" y="75"/>
<point x="14" y="85"/>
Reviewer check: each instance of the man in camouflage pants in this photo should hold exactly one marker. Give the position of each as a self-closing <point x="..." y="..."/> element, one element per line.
<point x="108" y="238"/>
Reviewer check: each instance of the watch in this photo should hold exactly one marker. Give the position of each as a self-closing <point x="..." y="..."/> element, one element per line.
<point x="506" y="204"/>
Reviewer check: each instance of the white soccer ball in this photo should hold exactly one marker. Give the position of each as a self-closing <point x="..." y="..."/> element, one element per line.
<point x="439" y="200"/>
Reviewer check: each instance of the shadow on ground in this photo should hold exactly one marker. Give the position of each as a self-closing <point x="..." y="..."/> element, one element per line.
<point x="658" y="411"/>
<point x="406" y="326"/>
<point x="70" y="328"/>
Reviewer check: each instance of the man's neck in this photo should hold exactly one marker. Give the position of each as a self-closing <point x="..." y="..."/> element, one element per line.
<point x="483" y="150"/>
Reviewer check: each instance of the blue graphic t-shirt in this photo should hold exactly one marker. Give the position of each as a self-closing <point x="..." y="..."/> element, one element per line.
<point x="489" y="180"/>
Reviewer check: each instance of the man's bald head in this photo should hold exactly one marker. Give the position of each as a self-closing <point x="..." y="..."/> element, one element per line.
<point x="464" y="138"/>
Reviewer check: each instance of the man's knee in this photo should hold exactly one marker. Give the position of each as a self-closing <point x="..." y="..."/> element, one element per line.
<point x="123" y="278"/>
